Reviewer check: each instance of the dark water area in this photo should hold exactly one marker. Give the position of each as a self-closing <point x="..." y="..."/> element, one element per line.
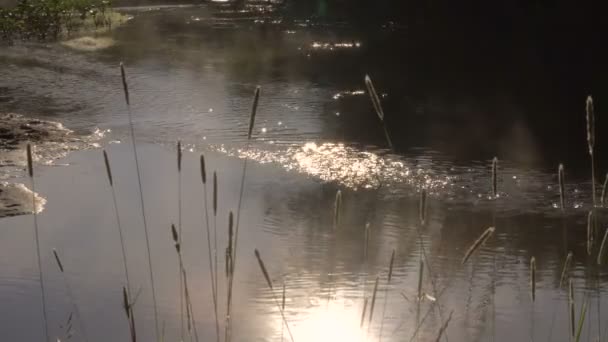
<point x="453" y="99"/>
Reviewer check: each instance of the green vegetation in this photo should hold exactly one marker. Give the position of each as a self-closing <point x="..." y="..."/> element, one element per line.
<point x="48" y="20"/>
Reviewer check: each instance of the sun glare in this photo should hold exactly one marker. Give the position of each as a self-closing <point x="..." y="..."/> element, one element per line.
<point x="329" y="324"/>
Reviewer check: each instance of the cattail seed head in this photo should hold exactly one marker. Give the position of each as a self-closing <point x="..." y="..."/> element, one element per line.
<point x="108" y="169"/>
<point x="560" y="176"/>
<point x="533" y="277"/>
<point x="495" y="177"/>
<point x="125" y="302"/>
<point x="58" y="260"/>
<point x="254" y="110"/>
<point x="124" y="82"/>
<point x="203" y="171"/>
<point x="263" y="268"/>
<point x="478" y="243"/>
<point x="590" y="124"/>
<point x="214" y="193"/>
<point x="604" y="193"/>
<point x="590" y="232"/>
<point x="179" y="156"/>
<point x="390" y="267"/>
<point x="30" y="163"/>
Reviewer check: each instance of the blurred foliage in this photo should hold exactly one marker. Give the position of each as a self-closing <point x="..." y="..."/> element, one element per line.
<point x="45" y="20"/>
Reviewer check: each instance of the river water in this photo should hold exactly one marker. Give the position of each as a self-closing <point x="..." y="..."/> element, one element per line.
<point x="192" y="72"/>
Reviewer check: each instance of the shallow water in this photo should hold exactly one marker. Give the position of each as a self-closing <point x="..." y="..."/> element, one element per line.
<point x="192" y="72"/>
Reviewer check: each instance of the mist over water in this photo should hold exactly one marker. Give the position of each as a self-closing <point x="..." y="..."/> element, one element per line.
<point x="192" y="72"/>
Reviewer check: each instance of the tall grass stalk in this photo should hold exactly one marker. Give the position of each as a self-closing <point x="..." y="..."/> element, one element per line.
<point x="118" y="223"/>
<point x="254" y="109"/>
<point x="495" y="177"/>
<point x="71" y="296"/>
<point x="178" y="247"/>
<point x="602" y="251"/>
<point x="269" y="283"/>
<point x="179" y="225"/>
<point x="366" y="241"/>
<point x="378" y="108"/>
<point x="571" y="305"/>
<point x="388" y="283"/>
<point x="565" y="269"/>
<point x="337" y="209"/>
<point x="533" y="277"/>
<point x="230" y="246"/>
<point x="444" y="327"/>
<point x="591" y="142"/>
<point x="478" y="243"/>
<point x="30" y="169"/>
<point x="365" y="300"/>
<point x="581" y="321"/>
<point x="128" y="307"/>
<point x="283" y="308"/>
<point x="562" y="197"/>
<point x="141" y="198"/>
<point x="373" y="304"/>
<point x="212" y="273"/>
<point x="189" y="309"/>
<point x="215" y="203"/>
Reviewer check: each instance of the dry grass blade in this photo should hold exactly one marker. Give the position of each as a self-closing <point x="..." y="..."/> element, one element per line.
<point x="377" y="107"/>
<point x="422" y="207"/>
<point x="108" y="169"/>
<point x="581" y="321"/>
<point x="603" y="198"/>
<point x="337" y="209"/>
<point x="589" y="232"/>
<point x="565" y="269"/>
<point x="478" y="243"/>
<point x="374" y="97"/>
<point x="560" y="176"/>
<point x="254" y="110"/>
<point x="371" y="308"/>
<point x="495" y="177"/>
<point x="600" y="254"/>
<point x="533" y="277"/>
<point x="444" y="327"/>
<point x="365" y="300"/>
